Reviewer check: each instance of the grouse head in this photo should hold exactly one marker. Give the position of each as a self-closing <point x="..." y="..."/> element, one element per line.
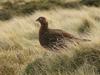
<point x="42" y="21"/>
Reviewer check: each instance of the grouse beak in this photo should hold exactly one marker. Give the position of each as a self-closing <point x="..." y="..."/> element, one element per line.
<point x="37" y="19"/>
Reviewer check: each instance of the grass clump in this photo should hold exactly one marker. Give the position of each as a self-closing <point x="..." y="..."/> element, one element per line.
<point x="91" y="57"/>
<point x="7" y="5"/>
<point x="6" y="70"/>
<point x="25" y="8"/>
<point x="64" y="65"/>
<point x="91" y="2"/>
<point x="86" y="26"/>
<point x="18" y="8"/>
<point x="5" y="15"/>
<point x="47" y="65"/>
<point x="37" y="67"/>
<point x="40" y="66"/>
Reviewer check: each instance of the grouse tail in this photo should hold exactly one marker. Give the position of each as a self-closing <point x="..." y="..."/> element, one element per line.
<point x="82" y="39"/>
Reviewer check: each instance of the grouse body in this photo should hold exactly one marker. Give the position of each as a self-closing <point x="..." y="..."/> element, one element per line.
<point x="54" y="39"/>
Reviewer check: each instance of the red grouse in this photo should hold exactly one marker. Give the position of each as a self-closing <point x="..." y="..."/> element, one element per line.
<point x="54" y="39"/>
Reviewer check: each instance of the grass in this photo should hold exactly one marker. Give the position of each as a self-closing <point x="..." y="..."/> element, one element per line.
<point x="23" y="7"/>
<point x="86" y="27"/>
<point x="21" y="53"/>
<point x="29" y="7"/>
<point x="63" y="65"/>
<point x="91" y="2"/>
<point x="5" y="15"/>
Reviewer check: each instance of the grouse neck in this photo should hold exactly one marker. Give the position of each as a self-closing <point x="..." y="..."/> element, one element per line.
<point x="44" y="26"/>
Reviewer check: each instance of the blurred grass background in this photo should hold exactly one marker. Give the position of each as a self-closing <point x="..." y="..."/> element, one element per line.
<point x="20" y="51"/>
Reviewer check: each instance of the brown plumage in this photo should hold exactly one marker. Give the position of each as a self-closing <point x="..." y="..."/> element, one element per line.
<point x="54" y="39"/>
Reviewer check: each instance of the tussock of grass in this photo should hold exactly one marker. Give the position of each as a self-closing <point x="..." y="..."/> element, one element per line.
<point x="7" y="70"/>
<point x="87" y="26"/>
<point x="91" y="57"/>
<point x="91" y="2"/>
<point x="5" y="15"/>
<point x="86" y="69"/>
<point x="47" y="66"/>
<point x="61" y="64"/>
<point x="26" y="8"/>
